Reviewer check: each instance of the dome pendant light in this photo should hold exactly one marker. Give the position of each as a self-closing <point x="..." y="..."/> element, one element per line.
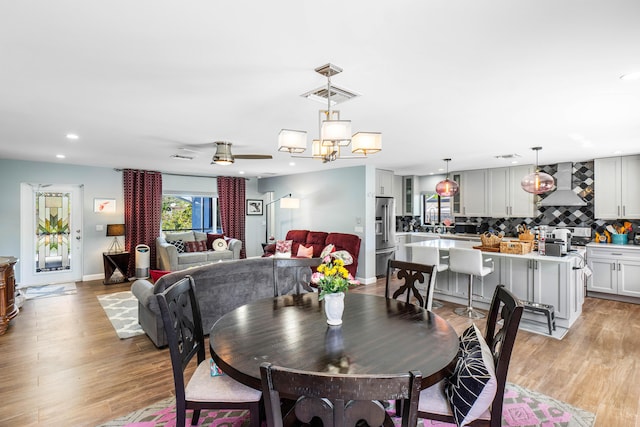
<point x="447" y="187"/>
<point x="538" y="182"/>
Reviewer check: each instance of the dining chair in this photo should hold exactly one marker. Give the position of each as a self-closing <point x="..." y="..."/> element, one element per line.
<point x="416" y="279"/>
<point x="183" y="326"/>
<point x="337" y="400"/>
<point x="293" y="275"/>
<point x="430" y="255"/>
<point x="496" y="348"/>
<point x="468" y="261"/>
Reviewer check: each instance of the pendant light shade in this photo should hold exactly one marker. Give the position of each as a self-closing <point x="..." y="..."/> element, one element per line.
<point x="447" y="187"/>
<point x="538" y="182"/>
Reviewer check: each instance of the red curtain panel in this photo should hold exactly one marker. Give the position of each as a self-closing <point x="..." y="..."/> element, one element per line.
<point x="142" y="212"/>
<point x="231" y="197"/>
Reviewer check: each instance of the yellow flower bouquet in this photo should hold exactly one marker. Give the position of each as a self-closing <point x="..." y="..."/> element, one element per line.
<point x="331" y="277"/>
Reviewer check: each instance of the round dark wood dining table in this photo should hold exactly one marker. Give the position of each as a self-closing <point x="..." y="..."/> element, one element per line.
<point x="377" y="336"/>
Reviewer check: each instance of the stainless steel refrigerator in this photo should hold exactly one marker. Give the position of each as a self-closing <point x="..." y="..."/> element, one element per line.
<point x="385" y="233"/>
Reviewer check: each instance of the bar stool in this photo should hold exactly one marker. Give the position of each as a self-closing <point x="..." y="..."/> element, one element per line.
<point x="468" y="261"/>
<point x="429" y="255"/>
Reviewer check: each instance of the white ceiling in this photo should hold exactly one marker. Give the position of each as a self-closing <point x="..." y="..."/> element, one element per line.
<point x="466" y="79"/>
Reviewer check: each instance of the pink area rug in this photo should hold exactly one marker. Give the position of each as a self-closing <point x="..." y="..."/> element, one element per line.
<point x="522" y="408"/>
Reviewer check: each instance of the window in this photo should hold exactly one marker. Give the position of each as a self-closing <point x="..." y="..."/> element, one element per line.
<point x="436" y="209"/>
<point x="190" y="212"/>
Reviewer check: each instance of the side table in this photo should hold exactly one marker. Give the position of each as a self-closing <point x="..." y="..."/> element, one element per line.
<point x="115" y="262"/>
<point x="8" y="308"/>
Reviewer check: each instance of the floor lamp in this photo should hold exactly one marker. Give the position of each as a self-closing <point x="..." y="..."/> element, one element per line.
<point x="286" y="202"/>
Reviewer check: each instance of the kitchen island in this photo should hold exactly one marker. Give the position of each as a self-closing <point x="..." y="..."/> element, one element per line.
<point x="556" y="281"/>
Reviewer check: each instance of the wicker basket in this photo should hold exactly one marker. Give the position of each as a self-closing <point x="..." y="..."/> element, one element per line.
<point x="526" y="236"/>
<point x="515" y="247"/>
<point x="490" y="240"/>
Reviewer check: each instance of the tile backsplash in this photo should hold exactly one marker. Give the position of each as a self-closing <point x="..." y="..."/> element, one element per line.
<point x="557" y="216"/>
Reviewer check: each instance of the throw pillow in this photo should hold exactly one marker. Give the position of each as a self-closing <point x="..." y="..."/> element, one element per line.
<point x="156" y="274"/>
<point x="305" y="252"/>
<point x="345" y="256"/>
<point x="179" y="244"/>
<point x="472" y="386"/>
<point x="197" y="246"/>
<point x="327" y="250"/>
<point x="211" y="237"/>
<point x="283" y="247"/>
<point x="219" y="245"/>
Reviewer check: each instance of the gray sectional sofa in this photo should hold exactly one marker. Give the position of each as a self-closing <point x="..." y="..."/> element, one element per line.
<point x="169" y="259"/>
<point x="224" y="286"/>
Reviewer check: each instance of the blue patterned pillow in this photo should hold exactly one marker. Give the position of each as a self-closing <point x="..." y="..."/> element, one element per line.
<point x="472" y="386"/>
<point x="179" y="244"/>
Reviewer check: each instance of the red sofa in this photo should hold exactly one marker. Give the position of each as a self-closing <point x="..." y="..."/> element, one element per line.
<point x="319" y="240"/>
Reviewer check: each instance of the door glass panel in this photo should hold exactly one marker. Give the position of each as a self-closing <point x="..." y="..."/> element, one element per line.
<point x="52" y="239"/>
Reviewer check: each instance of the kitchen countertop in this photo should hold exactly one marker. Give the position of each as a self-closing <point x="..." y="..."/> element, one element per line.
<point x="613" y="246"/>
<point x="446" y="244"/>
<point x="461" y="236"/>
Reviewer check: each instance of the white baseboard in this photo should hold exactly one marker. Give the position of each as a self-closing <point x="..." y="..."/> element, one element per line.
<point x="88" y="277"/>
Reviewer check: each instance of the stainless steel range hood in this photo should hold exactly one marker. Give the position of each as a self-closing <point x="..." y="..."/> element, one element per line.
<point x="564" y="195"/>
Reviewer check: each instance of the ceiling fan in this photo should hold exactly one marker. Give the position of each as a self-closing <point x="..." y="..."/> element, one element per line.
<point x="223" y="155"/>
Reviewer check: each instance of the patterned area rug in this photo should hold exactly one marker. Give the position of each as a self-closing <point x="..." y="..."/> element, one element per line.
<point x="46" y="291"/>
<point x="122" y="311"/>
<point x="522" y="408"/>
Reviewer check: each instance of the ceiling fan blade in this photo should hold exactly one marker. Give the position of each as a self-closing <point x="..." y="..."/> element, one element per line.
<point x="253" y="156"/>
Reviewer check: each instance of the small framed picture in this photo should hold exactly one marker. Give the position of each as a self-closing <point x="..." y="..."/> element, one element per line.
<point x="254" y="207"/>
<point x="104" y="205"/>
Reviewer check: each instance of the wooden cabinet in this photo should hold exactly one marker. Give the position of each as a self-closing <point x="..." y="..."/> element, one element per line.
<point x="384" y="183"/>
<point x="397" y="195"/>
<point x="616" y="270"/>
<point x="411" y="195"/>
<point x="506" y="198"/>
<point x="616" y="192"/>
<point x="471" y="200"/>
<point x="8" y="308"/>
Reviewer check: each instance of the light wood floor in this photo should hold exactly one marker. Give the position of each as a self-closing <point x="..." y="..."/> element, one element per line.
<point x="61" y="363"/>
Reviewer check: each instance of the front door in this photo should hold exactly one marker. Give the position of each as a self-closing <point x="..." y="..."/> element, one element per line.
<point x="51" y="233"/>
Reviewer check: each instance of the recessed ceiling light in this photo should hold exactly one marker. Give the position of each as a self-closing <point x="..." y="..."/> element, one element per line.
<point x="60" y="156"/>
<point x="292" y="163"/>
<point x="513" y="162"/>
<point x="72" y="136"/>
<point x="631" y="76"/>
<point x="618" y="152"/>
<point x="508" y="156"/>
<point x="241" y="172"/>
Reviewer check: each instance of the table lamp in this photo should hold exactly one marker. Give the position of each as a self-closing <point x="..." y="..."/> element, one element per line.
<point x="115" y="230"/>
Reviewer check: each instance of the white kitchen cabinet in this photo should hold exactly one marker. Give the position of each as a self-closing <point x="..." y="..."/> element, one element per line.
<point x="411" y="195"/>
<point x="397" y="195"/>
<point x="615" y="187"/>
<point x="384" y="183"/>
<point x="401" y="248"/>
<point x="616" y="270"/>
<point x="540" y="281"/>
<point x="506" y="198"/>
<point x="471" y="200"/>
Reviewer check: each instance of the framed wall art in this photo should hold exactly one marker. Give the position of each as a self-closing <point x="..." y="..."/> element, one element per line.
<point x="254" y="207"/>
<point x="104" y="205"/>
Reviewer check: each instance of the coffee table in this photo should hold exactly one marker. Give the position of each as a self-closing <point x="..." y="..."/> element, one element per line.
<point x="377" y="336"/>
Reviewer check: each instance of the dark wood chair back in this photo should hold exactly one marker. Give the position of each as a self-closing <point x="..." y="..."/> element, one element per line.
<point x="507" y="308"/>
<point x="183" y="325"/>
<point x="410" y="274"/>
<point x="500" y="337"/>
<point x="337" y="400"/>
<point x="293" y="275"/>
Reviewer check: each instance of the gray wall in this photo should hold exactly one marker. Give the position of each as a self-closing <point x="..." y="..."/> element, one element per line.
<point x="98" y="183"/>
<point x="336" y="200"/>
